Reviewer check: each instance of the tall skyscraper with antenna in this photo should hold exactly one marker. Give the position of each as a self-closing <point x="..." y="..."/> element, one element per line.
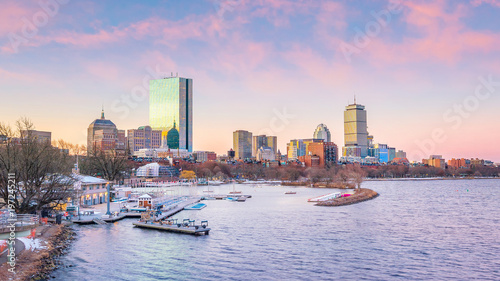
<point x="355" y="131"/>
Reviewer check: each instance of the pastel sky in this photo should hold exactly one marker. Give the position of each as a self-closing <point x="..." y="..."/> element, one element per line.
<point x="280" y="67"/>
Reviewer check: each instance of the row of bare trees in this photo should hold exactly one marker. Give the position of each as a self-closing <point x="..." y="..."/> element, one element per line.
<point x="72" y="149"/>
<point x="350" y="174"/>
<point x="33" y="174"/>
<point x="402" y="171"/>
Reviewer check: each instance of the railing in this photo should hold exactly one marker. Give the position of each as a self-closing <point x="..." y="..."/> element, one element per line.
<point x="20" y="222"/>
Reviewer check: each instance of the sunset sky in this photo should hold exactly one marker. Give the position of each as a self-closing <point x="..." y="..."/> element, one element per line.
<point x="423" y="69"/>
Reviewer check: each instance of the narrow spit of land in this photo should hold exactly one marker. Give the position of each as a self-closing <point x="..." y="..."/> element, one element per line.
<point x="360" y="195"/>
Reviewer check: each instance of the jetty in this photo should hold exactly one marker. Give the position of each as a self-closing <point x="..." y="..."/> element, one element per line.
<point x="186" y="227"/>
<point x="359" y="195"/>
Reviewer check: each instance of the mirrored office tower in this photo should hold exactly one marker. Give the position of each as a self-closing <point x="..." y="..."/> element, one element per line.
<point x="171" y="101"/>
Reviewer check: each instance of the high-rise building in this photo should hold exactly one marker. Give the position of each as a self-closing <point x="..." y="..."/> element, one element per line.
<point x="171" y="101"/>
<point x="257" y="143"/>
<point x="294" y="149"/>
<point x="272" y="142"/>
<point x="103" y="135"/>
<point x="264" y="141"/>
<point x="242" y="144"/>
<point x="392" y="153"/>
<point x="121" y="140"/>
<point x="143" y="137"/>
<point x="381" y="152"/>
<point x="323" y="133"/>
<point x="320" y="154"/>
<point x="40" y="136"/>
<point x="298" y="148"/>
<point x="400" y="154"/>
<point x="355" y="130"/>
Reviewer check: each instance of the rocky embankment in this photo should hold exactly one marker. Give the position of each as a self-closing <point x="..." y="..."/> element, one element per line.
<point x="38" y="264"/>
<point x="360" y="195"/>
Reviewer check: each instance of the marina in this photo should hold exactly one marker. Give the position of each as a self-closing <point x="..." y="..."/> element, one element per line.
<point x="136" y="213"/>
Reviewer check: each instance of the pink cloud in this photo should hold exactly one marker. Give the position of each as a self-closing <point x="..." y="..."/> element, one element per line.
<point x="440" y="35"/>
<point x="11" y="15"/>
<point x="495" y="3"/>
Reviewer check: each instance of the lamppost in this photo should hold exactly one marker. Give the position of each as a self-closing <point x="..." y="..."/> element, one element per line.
<point x="107" y="187"/>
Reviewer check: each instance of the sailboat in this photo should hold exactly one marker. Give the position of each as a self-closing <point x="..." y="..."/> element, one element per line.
<point x="208" y="189"/>
<point x="234" y="191"/>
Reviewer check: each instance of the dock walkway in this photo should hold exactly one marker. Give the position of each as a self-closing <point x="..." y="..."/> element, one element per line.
<point x="191" y="229"/>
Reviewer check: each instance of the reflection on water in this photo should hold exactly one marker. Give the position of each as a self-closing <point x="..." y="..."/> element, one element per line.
<point x="414" y="230"/>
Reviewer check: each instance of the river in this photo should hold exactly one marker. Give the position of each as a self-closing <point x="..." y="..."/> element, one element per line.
<point x="419" y="230"/>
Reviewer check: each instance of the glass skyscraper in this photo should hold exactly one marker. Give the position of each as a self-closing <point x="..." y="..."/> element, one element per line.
<point x="171" y="101"/>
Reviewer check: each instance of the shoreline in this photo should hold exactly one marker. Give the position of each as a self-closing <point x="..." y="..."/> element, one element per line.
<point x="352" y="186"/>
<point x="360" y="195"/>
<point x="38" y="264"/>
<point x="319" y="185"/>
<point x="429" y="179"/>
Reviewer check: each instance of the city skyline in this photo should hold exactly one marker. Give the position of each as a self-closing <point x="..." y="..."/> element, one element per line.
<point x="431" y="68"/>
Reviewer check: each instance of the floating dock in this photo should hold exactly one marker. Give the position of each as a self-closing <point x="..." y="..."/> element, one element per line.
<point x="179" y="228"/>
<point x="223" y="196"/>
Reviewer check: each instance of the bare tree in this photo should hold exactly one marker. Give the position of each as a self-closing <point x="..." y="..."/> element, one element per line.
<point x="73" y="149"/>
<point x="33" y="174"/>
<point x="356" y="175"/>
<point x="106" y="164"/>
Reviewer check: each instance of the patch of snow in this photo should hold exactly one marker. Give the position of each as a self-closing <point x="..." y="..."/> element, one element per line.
<point x="33" y="243"/>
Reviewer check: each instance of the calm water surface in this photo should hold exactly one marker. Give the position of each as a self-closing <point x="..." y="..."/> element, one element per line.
<point x="419" y="230"/>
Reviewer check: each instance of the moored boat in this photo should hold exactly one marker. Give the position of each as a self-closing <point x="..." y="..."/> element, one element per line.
<point x="197" y="206"/>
